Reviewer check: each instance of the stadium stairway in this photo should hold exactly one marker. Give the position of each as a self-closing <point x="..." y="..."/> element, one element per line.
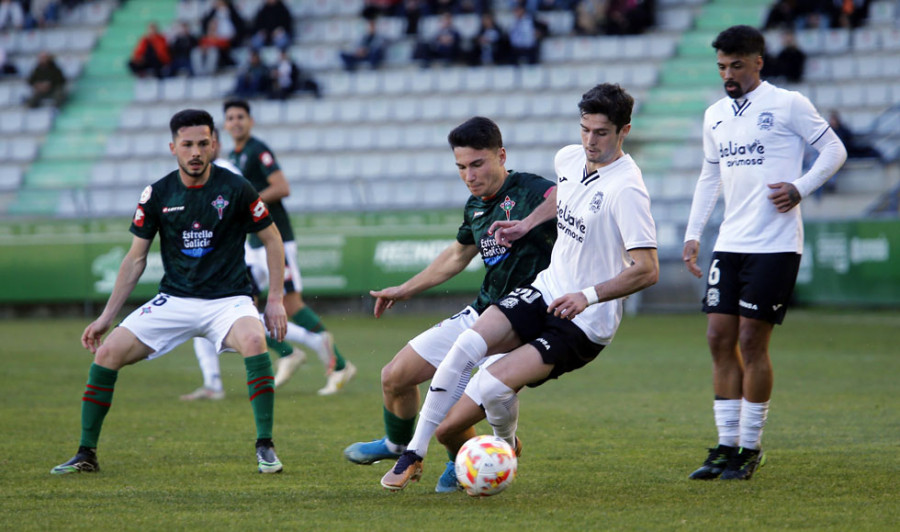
<point x="91" y="114"/>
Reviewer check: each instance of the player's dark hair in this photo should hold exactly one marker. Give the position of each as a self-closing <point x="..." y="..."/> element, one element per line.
<point x="608" y="99"/>
<point x="243" y="104"/>
<point x="478" y="133"/>
<point x="740" y="40"/>
<point x="190" y="117"/>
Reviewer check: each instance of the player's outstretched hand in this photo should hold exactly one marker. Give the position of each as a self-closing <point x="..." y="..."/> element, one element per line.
<point x="785" y="196"/>
<point x="384" y="299"/>
<point x="506" y="232"/>
<point x="689" y="256"/>
<point x="276" y="320"/>
<point x="568" y="306"/>
<point x="92" y="336"/>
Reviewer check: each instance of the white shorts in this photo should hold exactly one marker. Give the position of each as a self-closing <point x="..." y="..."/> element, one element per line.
<point x="259" y="268"/>
<point x="433" y="344"/>
<point x="165" y="322"/>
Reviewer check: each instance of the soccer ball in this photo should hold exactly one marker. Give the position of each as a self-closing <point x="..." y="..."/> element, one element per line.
<point x="485" y="465"/>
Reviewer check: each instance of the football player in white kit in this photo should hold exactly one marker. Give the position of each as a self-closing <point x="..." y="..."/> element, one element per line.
<point x="753" y="143"/>
<point x="605" y="250"/>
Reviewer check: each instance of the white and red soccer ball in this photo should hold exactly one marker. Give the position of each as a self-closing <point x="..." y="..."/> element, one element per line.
<point x="485" y="465"/>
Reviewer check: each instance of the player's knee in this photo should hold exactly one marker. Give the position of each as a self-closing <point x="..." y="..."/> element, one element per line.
<point x="493" y="391"/>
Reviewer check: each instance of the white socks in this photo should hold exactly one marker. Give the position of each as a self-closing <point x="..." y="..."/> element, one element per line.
<point x="501" y="405"/>
<point x="728" y="421"/>
<point x="314" y="341"/>
<point x="740" y="422"/>
<point x="753" y="420"/>
<point x="447" y="387"/>
<point x="209" y="363"/>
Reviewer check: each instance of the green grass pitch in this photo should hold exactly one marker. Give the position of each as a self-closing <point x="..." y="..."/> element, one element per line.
<point x="606" y="448"/>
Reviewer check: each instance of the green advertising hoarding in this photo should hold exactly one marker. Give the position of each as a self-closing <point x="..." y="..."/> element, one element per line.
<point x="347" y="254"/>
<point x="851" y="263"/>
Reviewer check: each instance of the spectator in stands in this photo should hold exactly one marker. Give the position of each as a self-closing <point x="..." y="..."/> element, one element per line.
<point x="273" y="25"/>
<point x="47" y="82"/>
<point x="12" y="16"/>
<point x="6" y="68"/>
<point x="370" y="49"/>
<point x="589" y="17"/>
<point x="791" y="60"/>
<point x="43" y="13"/>
<point x="253" y="77"/>
<point x="288" y="78"/>
<point x="629" y="17"/>
<point x="375" y="8"/>
<point x="212" y="52"/>
<point x="856" y="148"/>
<point x="151" y="55"/>
<point x="525" y="36"/>
<point x="782" y="15"/>
<point x="413" y="11"/>
<point x="444" y="46"/>
<point x="182" y="45"/>
<point x="491" y="44"/>
<point x="229" y="22"/>
<point x="848" y="13"/>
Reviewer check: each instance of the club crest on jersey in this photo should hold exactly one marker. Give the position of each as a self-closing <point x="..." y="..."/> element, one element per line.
<point x="765" y="121"/>
<point x="507" y="206"/>
<point x="596" y="201"/>
<point x="220" y="203"/>
<point x="145" y="194"/>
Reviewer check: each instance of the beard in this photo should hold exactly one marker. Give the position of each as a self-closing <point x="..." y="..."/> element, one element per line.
<point x="733" y="89"/>
<point x="194" y="173"/>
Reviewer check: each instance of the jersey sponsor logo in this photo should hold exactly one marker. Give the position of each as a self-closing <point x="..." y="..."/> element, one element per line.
<point x="196" y="241"/>
<point x="569" y="225"/>
<point x="712" y="297"/>
<point x="258" y="210"/>
<point x="736" y="154"/>
<point x="220" y="203"/>
<point x="139" y="216"/>
<point x="266" y="158"/>
<point x="177" y="208"/>
<point x="596" y="201"/>
<point x="765" y="121"/>
<point x="747" y="305"/>
<point x="491" y="251"/>
<point x="507" y="206"/>
<point x="145" y="195"/>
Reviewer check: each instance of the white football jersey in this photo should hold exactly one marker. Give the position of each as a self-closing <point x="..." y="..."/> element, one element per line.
<point x="755" y="142"/>
<point x="599" y="217"/>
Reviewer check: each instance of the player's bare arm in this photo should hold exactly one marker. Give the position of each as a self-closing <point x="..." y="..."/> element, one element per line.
<point x="507" y="232"/>
<point x="275" y="315"/>
<point x="643" y="272"/>
<point x="130" y="271"/>
<point x="448" y="264"/>
<point x="278" y="188"/>
<point x="689" y="256"/>
<point x="785" y="196"/>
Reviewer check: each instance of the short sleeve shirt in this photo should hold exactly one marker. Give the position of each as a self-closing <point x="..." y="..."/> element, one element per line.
<point x="257" y="162"/>
<point x="202" y="232"/>
<point x="508" y="268"/>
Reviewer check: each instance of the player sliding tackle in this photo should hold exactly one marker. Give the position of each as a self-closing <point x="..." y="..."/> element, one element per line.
<point x="605" y="250"/>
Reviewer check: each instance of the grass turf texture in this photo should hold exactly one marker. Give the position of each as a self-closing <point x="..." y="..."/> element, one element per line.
<point x="608" y="447"/>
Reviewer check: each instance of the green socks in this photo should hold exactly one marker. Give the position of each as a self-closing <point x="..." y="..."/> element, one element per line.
<point x="261" y="389"/>
<point x="283" y="349"/>
<point x="399" y="431"/>
<point x="95" y="403"/>
<point x="309" y="320"/>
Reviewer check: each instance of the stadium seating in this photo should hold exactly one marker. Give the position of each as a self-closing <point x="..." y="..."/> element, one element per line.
<point x="377" y="139"/>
